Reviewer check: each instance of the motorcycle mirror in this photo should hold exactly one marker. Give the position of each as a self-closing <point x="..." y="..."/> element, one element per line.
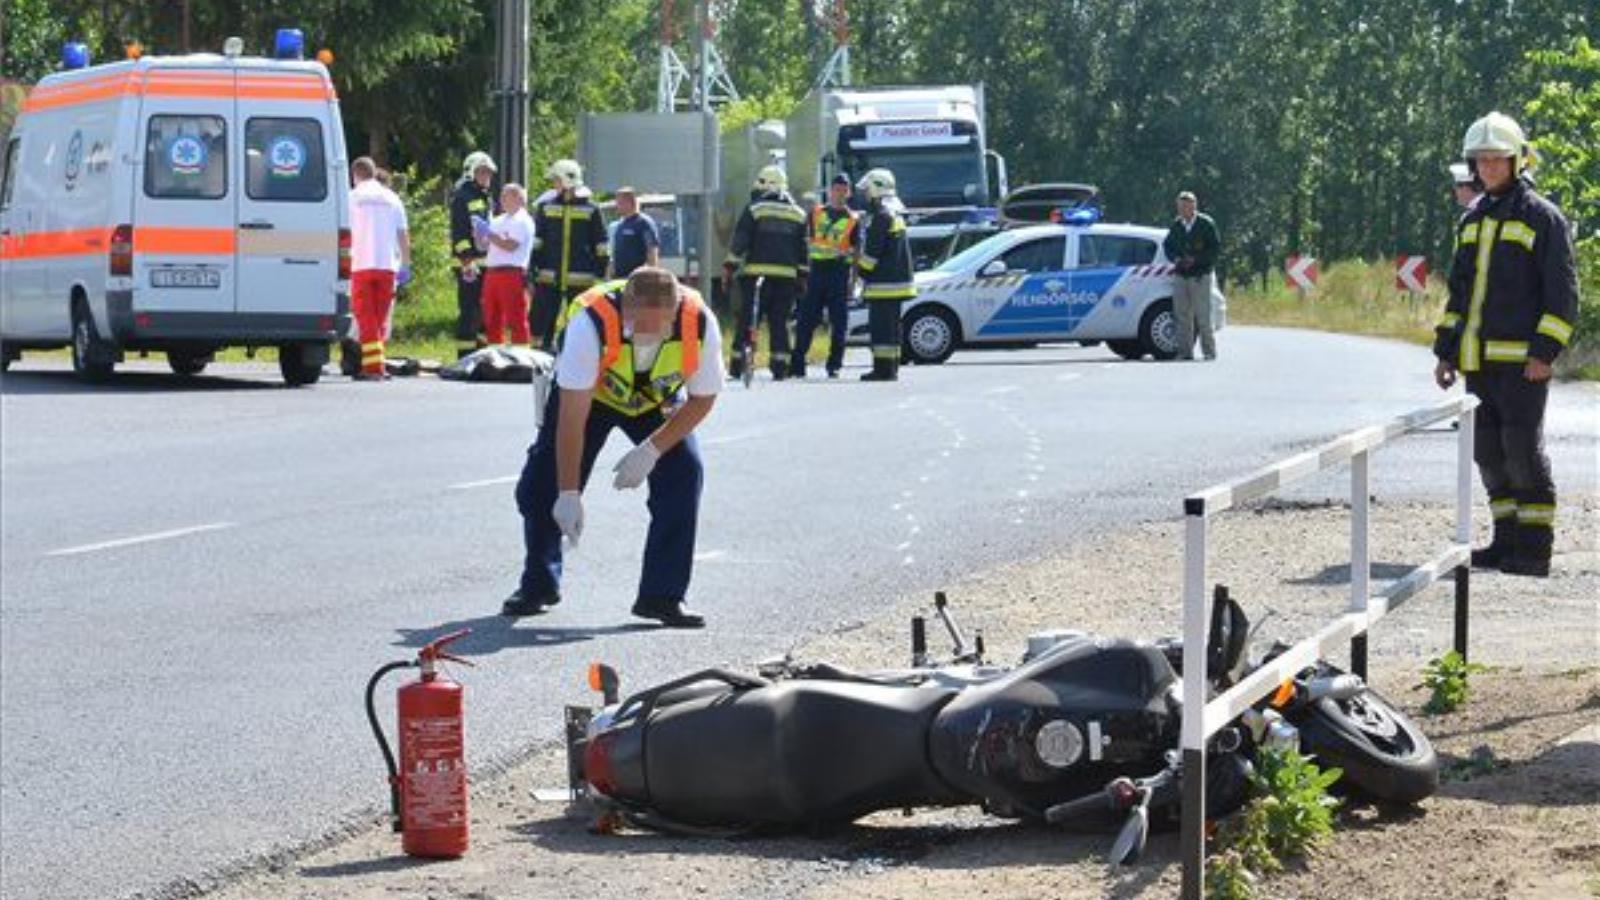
<point x="1129" y="845"/>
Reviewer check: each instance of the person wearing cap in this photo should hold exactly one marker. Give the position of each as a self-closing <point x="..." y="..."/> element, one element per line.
<point x="642" y="356"/>
<point x="471" y="207"/>
<point x="634" y="239"/>
<point x="570" y="251"/>
<point x="1463" y="186"/>
<point x="833" y="237"/>
<point x="1192" y="245"/>
<point x="1513" y="303"/>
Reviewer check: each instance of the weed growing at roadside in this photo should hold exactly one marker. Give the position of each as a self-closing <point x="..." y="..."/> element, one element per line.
<point x="1290" y="815"/>
<point x="1446" y="677"/>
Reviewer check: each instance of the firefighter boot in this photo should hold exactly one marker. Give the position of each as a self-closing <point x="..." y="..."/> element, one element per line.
<point x="883" y="369"/>
<point x="1531" y="555"/>
<point x="780" y="367"/>
<point x="1500" y="546"/>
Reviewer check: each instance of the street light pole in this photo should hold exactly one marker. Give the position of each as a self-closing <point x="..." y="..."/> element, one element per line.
<point x="510" y="91"/>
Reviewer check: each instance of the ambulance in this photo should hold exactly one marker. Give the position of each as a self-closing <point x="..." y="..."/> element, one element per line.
<point x="180" y="205"/>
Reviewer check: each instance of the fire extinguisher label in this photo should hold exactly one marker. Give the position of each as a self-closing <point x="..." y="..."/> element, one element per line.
<point x="435" y="774"/>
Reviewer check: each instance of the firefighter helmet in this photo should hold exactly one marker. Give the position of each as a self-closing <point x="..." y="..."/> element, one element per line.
<point x="876" y="184"/>
<point x="476" y="160"/>
<point x="772" y="179"/>
<point x="566" y="173"/>
<point x="1496" y="134"/>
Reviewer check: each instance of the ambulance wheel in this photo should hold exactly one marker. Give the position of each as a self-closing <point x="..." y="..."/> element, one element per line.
<point x="92" y="358"/>
<point x="1127" y="349"/>
<point x="1158" y="330"/>
<point x="296" y="371"/>
<point x="187" y="362"/>
<point x="931" y="335"/>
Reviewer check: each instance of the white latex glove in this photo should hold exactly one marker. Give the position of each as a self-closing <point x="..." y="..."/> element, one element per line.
<point x="635" y="465"/>
<point x="568" y="513"/>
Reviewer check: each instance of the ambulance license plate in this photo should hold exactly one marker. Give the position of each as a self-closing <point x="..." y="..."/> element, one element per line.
<point x="186" y="277"/>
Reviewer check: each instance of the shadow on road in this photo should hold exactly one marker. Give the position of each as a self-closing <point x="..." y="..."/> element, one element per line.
<point x="62" y="382"/>
<point x="369" y="867"/>
<point x="493" y="633"/>
<point x="1340" y="574"/>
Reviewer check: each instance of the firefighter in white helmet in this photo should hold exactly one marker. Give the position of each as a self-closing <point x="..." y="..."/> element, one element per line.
<point x="769" y="243"/>
<point x="570" y="249"/>
<point x="470" y="204"/>
<point x="886" y="271"/>
<point x="1513" y="302"/>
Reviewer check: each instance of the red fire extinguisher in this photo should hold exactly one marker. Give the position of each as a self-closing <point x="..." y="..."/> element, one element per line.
<point x="428" y="792"/>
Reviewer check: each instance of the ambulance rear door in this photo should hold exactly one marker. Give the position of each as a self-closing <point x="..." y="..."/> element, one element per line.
<point x="288" y="203"/>
<point x="184" y="194"/>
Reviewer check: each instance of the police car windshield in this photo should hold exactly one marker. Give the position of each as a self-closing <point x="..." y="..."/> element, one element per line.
<point x="929" y="176"/>
<point x="971" y="256"/>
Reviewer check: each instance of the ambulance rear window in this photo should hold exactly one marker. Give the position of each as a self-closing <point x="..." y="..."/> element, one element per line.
<point x="186" y="158"/>
<point x="8" y="172"/>
<point x="283" y="160"/>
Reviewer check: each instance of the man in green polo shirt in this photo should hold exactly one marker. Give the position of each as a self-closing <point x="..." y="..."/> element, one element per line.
<point x="1192" y="245"/>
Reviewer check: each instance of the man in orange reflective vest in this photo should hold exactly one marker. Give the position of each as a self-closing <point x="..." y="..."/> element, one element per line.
<point x="832" y="236"/>
<point x="643" y="356"/>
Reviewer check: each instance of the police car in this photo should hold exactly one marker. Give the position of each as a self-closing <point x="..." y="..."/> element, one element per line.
<point x="1077" y="280"/>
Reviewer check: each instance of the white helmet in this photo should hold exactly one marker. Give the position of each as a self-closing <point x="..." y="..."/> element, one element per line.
<point x="876" y="184"/>
<point x="476" y="160"/>
<point x="566" y="172"/>
<point x="772" y="179"/>
<point x="1496" y="134"/>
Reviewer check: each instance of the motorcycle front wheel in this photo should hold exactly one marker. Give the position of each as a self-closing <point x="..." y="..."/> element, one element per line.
<point x="1384" y="755"/>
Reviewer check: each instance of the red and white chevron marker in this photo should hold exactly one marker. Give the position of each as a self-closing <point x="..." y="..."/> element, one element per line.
<point x="1411" y="274"/>
<point x="1302" y="271"/>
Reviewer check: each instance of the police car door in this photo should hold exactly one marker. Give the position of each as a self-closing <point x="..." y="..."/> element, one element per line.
<point x="288" y="211"/>
<point x="1034" y="282"/>
<point x="183" y="237"/>
<point x="1109" y="282"/>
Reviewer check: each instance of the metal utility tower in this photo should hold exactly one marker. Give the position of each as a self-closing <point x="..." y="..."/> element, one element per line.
<point x="833" y="18"/>
<point x="713" y="85"/>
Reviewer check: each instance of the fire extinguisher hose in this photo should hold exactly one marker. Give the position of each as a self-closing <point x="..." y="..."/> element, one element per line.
<point x="383" y="743"/>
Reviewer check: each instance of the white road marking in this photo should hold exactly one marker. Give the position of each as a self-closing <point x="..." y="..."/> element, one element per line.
<point x="140" y="539"/>
<point x="1022" y="493"/>
<point x="487" y="482"/>
<point x="710" y="555"/>
<point x="903" y="546"/>
<point x="1070" y="376"/>
<point x="728" y="439"/>
<point x="908" y="560"/>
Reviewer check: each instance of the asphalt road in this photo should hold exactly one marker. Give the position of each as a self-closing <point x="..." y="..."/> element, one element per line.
<point x="199" y="575"/>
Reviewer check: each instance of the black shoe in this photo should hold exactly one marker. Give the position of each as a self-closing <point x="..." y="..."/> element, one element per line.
<point x="876" y="375"/>
<point x="516" y="606"/>
<point x="833" y="373"/>
<point x="1526" y="565"/>
<point x="1490" y="557"/>
<point x="671" y="613"/>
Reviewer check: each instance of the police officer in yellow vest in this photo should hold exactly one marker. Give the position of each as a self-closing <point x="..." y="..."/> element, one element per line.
<point x="833" y="237"/>
<point x="886" y="271"/>
<point x="1513" y="301"/>
<point x="570" y="248"/>
<point x="643" y="356"/>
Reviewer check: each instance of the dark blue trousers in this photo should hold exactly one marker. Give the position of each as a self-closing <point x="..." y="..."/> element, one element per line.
<point x="827" y="288"/>
<point x="674" y="504"/>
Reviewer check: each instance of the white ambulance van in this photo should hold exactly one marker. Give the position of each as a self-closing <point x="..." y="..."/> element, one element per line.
<point x="177" y="204"/>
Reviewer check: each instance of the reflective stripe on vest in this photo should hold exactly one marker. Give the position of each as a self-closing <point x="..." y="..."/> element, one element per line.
<point x="1471" y="353"/>
<point x="676" y="361"/>
<point x="830" y="237"/>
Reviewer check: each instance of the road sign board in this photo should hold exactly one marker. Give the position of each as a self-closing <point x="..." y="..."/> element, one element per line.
<point x="1411" y="273"/>
<point x="1302" y="271"/>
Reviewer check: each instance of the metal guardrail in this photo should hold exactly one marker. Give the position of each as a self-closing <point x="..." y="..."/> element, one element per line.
<point x="1201" y="719"/>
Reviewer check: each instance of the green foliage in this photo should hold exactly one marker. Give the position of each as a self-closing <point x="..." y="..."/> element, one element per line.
<point x="1290" y="815"/>
<point x="1481" y="761"/>
<point x="1446" y="678"/>
<point x="425" y="310"/>
<point x="1352" y="297"/>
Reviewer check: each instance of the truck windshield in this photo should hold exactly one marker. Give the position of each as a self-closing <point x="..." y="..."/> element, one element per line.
<point x="928" y="176"/>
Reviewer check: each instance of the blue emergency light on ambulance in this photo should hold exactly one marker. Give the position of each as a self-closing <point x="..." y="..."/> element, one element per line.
<point x="290" y="43"/>
<point x="74" y="55"/>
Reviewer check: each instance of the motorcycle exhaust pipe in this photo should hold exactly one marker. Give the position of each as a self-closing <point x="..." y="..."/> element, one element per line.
<point x="1338" y="687"/>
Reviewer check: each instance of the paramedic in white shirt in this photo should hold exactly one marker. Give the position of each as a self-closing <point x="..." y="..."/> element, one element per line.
<point x="509" y="241"/>
<point x="380" y="259"/>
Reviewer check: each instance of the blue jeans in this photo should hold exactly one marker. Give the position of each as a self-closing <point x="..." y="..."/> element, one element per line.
<point x="675" y="484"/>
<point x="828" y="287"/>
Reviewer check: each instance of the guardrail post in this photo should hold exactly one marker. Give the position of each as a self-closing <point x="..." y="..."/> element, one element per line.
<point x="1466" y="436"/>
<point x="1193" y="810"/>
<point x="1360" y="553"/>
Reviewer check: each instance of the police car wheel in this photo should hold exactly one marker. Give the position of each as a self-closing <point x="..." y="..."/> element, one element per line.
<point x="931" y="335"/>
<point x="1158" y="330"/>
<point x="1131" y="350"/>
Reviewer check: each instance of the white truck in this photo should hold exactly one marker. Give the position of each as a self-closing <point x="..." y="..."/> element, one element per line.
<point x="178" y="204"/>
<point x="932" y="137"/>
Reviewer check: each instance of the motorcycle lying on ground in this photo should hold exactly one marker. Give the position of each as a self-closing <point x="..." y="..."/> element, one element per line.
<point x="1084" y="732"/>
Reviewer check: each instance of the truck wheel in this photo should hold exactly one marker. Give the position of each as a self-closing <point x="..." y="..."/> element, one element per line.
<point x="931" y="335"/>
<point x="296" y="371"/>
<point x="1158" y="330"/>
<point x="1133" y="349"/>
<point x="187" y="362"/>
<point x="92" y="358"/>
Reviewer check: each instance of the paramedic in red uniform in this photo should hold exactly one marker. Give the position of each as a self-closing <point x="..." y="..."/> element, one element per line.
<point x="509" y="242"/>
<point x="379" y="243"/>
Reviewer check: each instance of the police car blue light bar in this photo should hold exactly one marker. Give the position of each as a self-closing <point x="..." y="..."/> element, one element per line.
<point x="74" y="55"/>
<point x="290" y="43"/>
<point x="1083" y="215"/>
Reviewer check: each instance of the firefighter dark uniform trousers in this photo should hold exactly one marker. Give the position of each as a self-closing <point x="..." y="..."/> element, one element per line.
<point x="832" y="237"/>
<point x="769" y="243"/>
<point x="466" y="201"/>
<point x="633" y="403"/>
<point x="570" y="250"/>
<point x="1513" y="296"/>
<point x="886" y="283"/>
